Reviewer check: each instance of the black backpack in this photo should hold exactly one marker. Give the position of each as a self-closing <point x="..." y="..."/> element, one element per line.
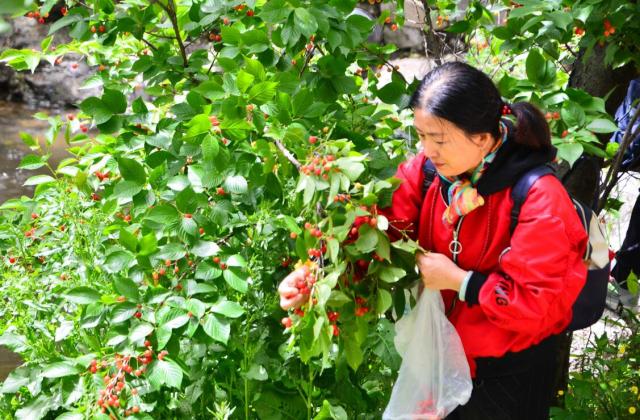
<point x="590" y="304"/>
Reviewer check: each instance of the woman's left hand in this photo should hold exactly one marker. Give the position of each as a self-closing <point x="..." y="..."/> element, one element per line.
<point x="438" y="272"/>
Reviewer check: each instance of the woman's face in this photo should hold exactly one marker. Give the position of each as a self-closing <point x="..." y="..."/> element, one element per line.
<point x="451" y="150"/>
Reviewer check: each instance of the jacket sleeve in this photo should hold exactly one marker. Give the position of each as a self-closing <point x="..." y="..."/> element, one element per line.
<point x="540" y="275"/>
<point x="406" y="202"/>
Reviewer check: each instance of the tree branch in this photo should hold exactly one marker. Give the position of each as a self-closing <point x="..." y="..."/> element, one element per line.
<point x="170" y="8"/>
<point x="429" y="36"/>
<point x="612" y="174"/>
<point x="288" y="154"/>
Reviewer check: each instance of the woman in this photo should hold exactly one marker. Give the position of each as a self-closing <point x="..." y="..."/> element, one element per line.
<point x="508" y="296"/>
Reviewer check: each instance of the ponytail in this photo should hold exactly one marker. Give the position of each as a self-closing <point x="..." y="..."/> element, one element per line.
<point x="531" y="128"/>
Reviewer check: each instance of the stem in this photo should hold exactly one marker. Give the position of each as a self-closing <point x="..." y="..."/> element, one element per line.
<point x="170" y="8"/>
<point x="430" y="35"/>
<point x="288" y="154"/>
<point x="612" y="174"/>
<point x="309" y="391"/>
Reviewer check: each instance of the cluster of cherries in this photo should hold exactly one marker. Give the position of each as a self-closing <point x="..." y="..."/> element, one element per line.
<point x="116" y="383"/>
<point x="319" y="166"/>
<point x="608" y="28"/>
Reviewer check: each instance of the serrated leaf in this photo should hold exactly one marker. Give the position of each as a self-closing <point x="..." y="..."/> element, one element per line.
<point x="123" y="312"/>
<point x="216" y="328"/>
<point x="236" y="184"/>
<point x="234" y="280"/>
<point x="38" y="180"/>
<point x="205" y="249"/>
<point x="165" y="372"/>
<point x="59" y="370"/>
<point x="118" y="261"/>
<point x="228" y="309"/>
<point x="82" y="295"/>
<point x="140" y="331"/>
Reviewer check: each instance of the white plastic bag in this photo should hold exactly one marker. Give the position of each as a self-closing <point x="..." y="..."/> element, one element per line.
<point x="434" y="377"/>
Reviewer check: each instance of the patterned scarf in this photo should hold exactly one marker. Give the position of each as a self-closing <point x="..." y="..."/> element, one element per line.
<point x="463" y="195"/>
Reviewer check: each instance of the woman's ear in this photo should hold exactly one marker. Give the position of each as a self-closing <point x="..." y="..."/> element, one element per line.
<point x="484" y="141"/>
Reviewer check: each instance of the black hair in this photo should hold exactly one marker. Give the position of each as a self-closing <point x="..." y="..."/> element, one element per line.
<point x="468" y="98"/>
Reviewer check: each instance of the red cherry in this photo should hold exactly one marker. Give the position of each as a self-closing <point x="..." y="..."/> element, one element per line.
<point x="102" y="28"/>
<point x="293" y="235"/>
<point x="223" y="266"/>
<point x="167" y="263"/>
<point x="336" y="330"/>
<point x="564" y="133"/>
<point x="147" y="343"/>
<point x="12" y="260"/>
<point x="216" y="260"/>
<point x="83" y="128"/>
<point x="220" y="191"/>
<point x="373" y="222"/>
<point x="250" y="13"/>
<point x="394" y="27"/>
<point x="162" y="271"/>
<point x="138" y="314"/>
<point x="313" y="139"/>
<point x="188" y="215"/>
<point x="225" y="21"/>
<point x="201" y="231"/>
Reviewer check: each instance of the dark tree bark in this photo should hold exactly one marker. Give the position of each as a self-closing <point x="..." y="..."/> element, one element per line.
<point x="591" y="75"/>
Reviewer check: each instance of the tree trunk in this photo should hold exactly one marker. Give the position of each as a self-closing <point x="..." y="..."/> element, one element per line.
<point x="591" y="75"/>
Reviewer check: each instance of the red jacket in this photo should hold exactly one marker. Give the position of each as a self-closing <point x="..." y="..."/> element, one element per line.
<point x="523" y="286"/>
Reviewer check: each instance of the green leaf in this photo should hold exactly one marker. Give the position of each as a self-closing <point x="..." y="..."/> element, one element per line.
<point x="82" y="295"/>
<point x="305" y="22"/>
<point x="228" y="309"/>
<point x="236" y="184"/>
<point x="127" y="288"/>
<point x="210" y="149"/>
<point x="353" y="353"/>
<point x="115" y="101"/>
<point x="128" y="240"/>
<point x="205" y="249"/>
<point x="164" y="214"/>
<point x="244" y="80"/>
<point x="59" y="370"/>
<point x="233" y="279"/>
<point x="333" y="412"/>
<point x="31" y="162"/>
<point x="140" y="331"/>
<point x="126" y="189"/>
<point x="383" y="302"/>
<point x="539" y="70"/>
<point x="95" y="107"/>
<point x="131" y="170"/>
<point x="16" y="380"/>
<point x="367" y="240"/>
<point x="174" y="318"/>
<point x="118" y="261"/>
<point x="165" y="372"/>
<point x="148" y="244"/>
<point x="391" y="274"/>
<point x="263" y="92"/>
<point x="172" y="251"/>
<point x="216" y="328"/>
<point x="38" y="180"/>
<point x="601" y="125"/>
<point x="569" y="152"/>
<point x="275" y="11"/>
<point x="123" y="312"/>
<point x="36" y="408"/>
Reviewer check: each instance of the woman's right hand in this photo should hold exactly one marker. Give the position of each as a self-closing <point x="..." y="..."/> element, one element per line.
<point x="290" y="296"/>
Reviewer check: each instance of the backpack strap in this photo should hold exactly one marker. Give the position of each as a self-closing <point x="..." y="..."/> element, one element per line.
<point x="521" y="189"/>
<point x="429" y="171"/>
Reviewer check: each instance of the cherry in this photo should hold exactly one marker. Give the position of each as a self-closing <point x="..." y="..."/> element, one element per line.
<point x="188" y="215"/>
<point x="216" y="260"/>
<point x="162" y="271"/>
<point x="147" y="343"/>
<point x="83" y="127"/>
<point x="250" y="13"/>
<point x="387" y="20"/>
<point x="167" y="263"/>
<point x="313" y="139"/>
<point x="373" y="222"/>
<point x="220" y="191"/>
<point x="34" y="216"/>
<point x="293" y="235"/>
<point x="336" y="330"/>
<point x="12" y="260"/>
<point x="225" y="21"/>
<point x="223" y="266"/>
<point x="155" y="276"/>
<point x="564" y="133"/>
<point x="93" y="29"/>
<point x="102" y="29"/>
<point x="201" y="231"/>
<point x="138" y="314"/>
<point x="95" y="197"/>
<point x="293" y="62"/>
<point x="121" y="299"/>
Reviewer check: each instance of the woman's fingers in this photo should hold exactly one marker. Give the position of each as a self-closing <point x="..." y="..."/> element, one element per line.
<point x="290" y="296"/>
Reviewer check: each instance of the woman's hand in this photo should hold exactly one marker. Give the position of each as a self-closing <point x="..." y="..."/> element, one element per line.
<point x="290" y="296"/>
<point x="438" y="272"/>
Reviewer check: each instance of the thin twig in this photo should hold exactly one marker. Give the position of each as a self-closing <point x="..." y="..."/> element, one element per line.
<point x="288" y="154"/>
<point x="213" y="61"/>
<point x="308" y="57"/>
<point x="153" y="47"/>
<point x="160" y="36"/>
<point x="430" y="34"/>
<point x="571" y="50"/>
<point x="612" y="174"/>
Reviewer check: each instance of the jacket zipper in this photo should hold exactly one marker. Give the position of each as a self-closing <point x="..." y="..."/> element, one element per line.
<point x="455" y="247"/>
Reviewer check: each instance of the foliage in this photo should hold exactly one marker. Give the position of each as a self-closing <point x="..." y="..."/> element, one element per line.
<point x="605" y="382"/>
<point x="231" y="139"/>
